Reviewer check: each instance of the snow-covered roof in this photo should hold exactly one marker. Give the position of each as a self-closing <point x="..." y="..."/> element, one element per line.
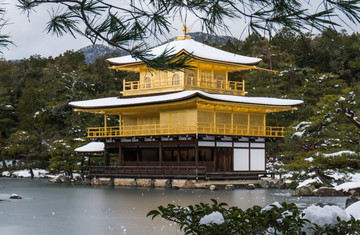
<point x="112" y="102"/>
<point x="92" y="147"/>
<point x="195" y="48"/>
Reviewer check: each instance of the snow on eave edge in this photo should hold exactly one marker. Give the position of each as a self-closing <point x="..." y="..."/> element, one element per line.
<point x="132" y="63"/>
<point x="92" y="147"/>
<point x="193" y="94"/>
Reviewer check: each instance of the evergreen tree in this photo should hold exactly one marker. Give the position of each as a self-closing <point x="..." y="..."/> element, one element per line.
<point x="25" y="147"/>
<point x="64" y="159"/>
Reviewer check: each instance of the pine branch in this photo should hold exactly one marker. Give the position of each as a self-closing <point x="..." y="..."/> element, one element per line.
<point x="121" y="25"/>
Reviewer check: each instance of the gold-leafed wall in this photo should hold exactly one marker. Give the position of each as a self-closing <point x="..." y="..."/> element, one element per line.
<point x="186" y="117"/>
<point x="140" y="120"/>
<point x="230" y="119"/>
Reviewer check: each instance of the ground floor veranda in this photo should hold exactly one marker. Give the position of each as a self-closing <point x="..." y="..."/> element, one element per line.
<point x="192" y="156"/>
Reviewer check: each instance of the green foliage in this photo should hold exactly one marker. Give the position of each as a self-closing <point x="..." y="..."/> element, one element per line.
<point x="64" y="159"/>
<point x="284" y="218"/>
<point x="24" y="147"/>
<point x="22" y="144"/>
<point x="35" y="94"/>
<point x="351" y="226"/>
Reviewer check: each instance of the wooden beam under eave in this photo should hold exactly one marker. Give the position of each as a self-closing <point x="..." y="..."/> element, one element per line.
<point x="242" y="107"/>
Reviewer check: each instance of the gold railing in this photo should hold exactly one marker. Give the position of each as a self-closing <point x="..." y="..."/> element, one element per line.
<point x="186" y="83"/>
<point x="182" y="128"/>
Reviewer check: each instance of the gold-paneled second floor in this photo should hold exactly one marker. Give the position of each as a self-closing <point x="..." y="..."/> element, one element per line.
<point x="213" y="80"/>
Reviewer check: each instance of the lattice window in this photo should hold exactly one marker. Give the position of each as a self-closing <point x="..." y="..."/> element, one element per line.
<point x="257" y="120"/>
<point x="223" y="118"/>
<point x="176" y="79"/>
<point x="190" y="81"/>
<point x="241" y="119"/>
<point x="206" y="117"/>
<point x="219" y="82"/>
<point x="147" y="82"/>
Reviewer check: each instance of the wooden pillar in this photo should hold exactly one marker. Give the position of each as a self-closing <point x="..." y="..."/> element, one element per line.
<point x="106" y="158"/>
<point x="178" y="155"/>
<point x="89" y="162"/>
<point x="232" y="156"/>
<point x="198" y="77"/>
<point x="167" y="79"/>
<point x="197" y="154"/>
<point x="214" y="130"/>
<point x="120" y="124"/>
<point x="232" y="122"/>
<point x="160" y="154"/>
<point x="169" y="127"/>
<point x="105" y="120"/>
<point x="105" y="124"/>
<point x="137" y="155"/>
<point x="215" y="156"/>
<point x="248" y="127"/>
<point x="249" y="155"/>
<point x="120" y="156"/>
<point x="213" y="82"/>
<point x="227" y="77"/>
<point x="264" y="123"/>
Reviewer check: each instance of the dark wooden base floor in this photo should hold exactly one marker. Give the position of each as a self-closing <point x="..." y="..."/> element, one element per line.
<point x="170" y="172"/>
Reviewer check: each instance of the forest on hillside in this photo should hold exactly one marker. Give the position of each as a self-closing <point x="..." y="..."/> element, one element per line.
<point x="39" y="130"/>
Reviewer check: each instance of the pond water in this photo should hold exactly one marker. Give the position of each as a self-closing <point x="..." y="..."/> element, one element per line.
<point x="49" y="208"/>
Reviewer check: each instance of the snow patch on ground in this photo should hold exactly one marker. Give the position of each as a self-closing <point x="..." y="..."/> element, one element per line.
<point x="353" y="182"/>
<point x="38" y="173"/>
<point x="347" y="186"/>
<point x="308" y="182"/>
<point x="214" y="218"/>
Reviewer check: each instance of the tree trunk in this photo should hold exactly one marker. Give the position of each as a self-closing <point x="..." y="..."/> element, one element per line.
<point x="82" y="167"/>
<point x="70" y="174"/>
<point x="31" y="173"/>
<point x="4" y="163"/>
<point x="322" y="177"/>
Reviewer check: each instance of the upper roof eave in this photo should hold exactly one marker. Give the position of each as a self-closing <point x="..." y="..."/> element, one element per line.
<point x="197" y="49"/>
<point x="194" y="57"/>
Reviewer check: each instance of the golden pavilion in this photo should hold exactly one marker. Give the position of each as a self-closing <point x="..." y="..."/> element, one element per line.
<point x="193" y="123"/>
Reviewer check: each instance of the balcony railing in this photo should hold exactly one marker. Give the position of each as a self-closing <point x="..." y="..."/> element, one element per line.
<point x="183" y="128"/>
<point x="227" y="87"/>
<point x="152" y="171"/>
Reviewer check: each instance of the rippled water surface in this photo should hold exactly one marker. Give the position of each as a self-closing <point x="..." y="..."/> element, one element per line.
<point x="49" y="208"/>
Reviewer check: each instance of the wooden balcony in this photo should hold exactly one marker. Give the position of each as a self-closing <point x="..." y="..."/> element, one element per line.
<point x="167" y="172"/>
<point x="218" y="87"/>
<point x="184" y="128"/>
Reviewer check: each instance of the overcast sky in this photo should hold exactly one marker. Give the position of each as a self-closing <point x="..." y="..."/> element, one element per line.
<point x="29" y="36"/>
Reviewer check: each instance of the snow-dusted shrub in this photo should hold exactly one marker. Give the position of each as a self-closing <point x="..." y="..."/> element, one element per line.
<point x="277" y="218"/>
